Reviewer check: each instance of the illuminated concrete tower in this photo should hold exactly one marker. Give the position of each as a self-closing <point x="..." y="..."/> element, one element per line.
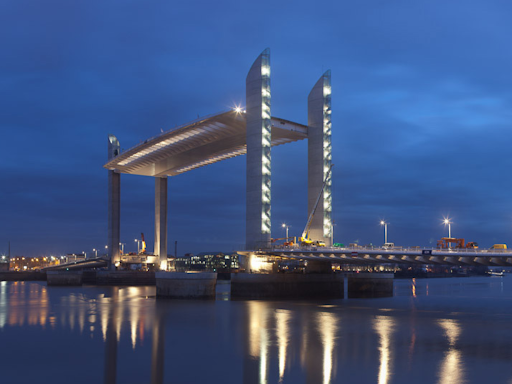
<point x="161" y="220"/>
<point x="114" y="204"/>
<point x="320" y="157"/>
<point x="259" y="137"/>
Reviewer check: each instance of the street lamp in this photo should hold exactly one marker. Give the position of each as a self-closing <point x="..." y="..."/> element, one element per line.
<point x="122" y="247"/>
<point x="382" y="222"/>
<point x="138" y="245"/>
<point x="449" y="223"/>
<point x="96" y="251"/>
<point x="332" y="233"/>
<point x="286" y="226"/>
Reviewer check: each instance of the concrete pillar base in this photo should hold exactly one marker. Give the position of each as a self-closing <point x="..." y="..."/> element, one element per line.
<point x="63" y="278"/>
<point x="125" y="278"/>
<point x="319" y="266"/>
<point x="369" y="285"/>
<point x="182" y="285"/>
<point x="286" y="286"/>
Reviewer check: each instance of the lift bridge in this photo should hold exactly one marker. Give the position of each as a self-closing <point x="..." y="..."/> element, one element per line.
<point x="398" y="255"/>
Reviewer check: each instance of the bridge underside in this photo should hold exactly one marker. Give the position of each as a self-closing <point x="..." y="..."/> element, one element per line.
<point x="491" y="259"/>
<point x="198" y="143"/>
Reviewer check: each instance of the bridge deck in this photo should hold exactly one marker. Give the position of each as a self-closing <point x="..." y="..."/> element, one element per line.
<point x="410" y="256"/>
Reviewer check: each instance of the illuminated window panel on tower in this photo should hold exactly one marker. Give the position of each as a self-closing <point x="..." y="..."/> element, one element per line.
<point x="327" y="155"/>
<point x="266" y="140"/>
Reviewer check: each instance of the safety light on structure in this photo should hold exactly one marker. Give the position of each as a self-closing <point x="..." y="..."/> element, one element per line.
<point x="382" y="222"/>
<point x="446" y="222"/>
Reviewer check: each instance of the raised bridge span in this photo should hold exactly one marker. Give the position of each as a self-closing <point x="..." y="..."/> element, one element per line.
<point x="412" y="256"/>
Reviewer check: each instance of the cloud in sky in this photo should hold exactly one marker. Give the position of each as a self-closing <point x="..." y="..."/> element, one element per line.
<point x="421" y="116"/>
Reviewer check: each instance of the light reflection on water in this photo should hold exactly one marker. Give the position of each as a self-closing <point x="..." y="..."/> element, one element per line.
<point x="448" y="331"/>
<point x="451" y="371"/>
<point x="383" y="326"/>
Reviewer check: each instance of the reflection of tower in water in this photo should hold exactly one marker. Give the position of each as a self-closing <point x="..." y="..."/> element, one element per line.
<point x="256" y="354"/>
<point x="320" y="329"/>
<point x="384" y="326"/>
<point x="3" y="303"/>
<point x="328" y="328"/>
<point x="451" y="370"/>
<point x="112" y="316"/>
<point x="269" y="333"/>
<point x="283" y="334"/>
<point x="112" y="323"/>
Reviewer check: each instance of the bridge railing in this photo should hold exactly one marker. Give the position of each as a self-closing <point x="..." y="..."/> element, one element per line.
<point x="391" y="250"/>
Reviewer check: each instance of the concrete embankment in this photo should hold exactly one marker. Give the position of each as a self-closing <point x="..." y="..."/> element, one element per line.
<point x="182" y="285"/>
<point x="121" y="278"/>
<point x="22" y="276"/>
<point x="286" y="286"/>
<point x="369" y="285"/>
<point x="64" y="278"/>
<point x="125" y="278"/>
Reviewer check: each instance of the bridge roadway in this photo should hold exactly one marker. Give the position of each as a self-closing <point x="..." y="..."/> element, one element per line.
<point x="98" y="262"/>
<point x="411" y="256"/>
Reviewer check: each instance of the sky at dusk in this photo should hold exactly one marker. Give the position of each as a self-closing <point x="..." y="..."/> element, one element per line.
<point x="421" y="116"/>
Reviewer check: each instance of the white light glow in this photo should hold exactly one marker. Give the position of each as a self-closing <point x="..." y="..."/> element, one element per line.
<point x="160" y="145"/>
<point x="214" y="159"/>
<point x="384" y="326"/>
<point x="451" y="370"/>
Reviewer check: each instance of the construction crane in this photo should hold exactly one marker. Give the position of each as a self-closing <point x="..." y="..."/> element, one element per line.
<point x="287" y="240"/>
<point x="304" y="239"/>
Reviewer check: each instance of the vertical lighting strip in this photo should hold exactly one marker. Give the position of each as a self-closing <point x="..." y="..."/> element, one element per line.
<point x="266" y="139"/>
<point x="327" y="149"/>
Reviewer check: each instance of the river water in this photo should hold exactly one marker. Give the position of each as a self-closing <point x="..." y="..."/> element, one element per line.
<point x="451" y="330"/>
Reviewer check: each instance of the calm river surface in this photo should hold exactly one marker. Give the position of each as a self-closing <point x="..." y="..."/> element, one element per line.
<point x="453" y="330"/>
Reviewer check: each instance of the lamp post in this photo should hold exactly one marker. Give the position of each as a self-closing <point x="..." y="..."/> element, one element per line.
<point x="138" y="245"/>
<point x="382" y="222"/>
<point x="122" y="247"/>
<point x="95" y="252"/>
<point x="449" y="223"/>
<point x="286" y="226"/>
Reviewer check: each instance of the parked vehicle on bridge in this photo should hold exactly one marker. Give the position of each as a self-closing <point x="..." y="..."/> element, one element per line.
<point x="388" y="246"/>
<point x="453" y="243"/>
<point x="501" y="247"/>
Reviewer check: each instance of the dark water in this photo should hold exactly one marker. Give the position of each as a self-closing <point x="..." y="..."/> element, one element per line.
<point x="456" y="330"/>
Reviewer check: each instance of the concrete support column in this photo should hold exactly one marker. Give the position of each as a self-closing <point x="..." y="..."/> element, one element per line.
<point x="259" y="138"/>
<point x="320" y="157"/>
<point x="114" y="205"/>
<point x="161" y="220"/>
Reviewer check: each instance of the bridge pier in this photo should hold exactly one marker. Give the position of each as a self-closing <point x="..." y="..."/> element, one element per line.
<point x="369" y="285"/>
<point x="182" y="285"/>
<point x="64" y="278"/>
<point x="114" y="206"/>
<point x="286" y="286"/>
<point x="160" y="248"/>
